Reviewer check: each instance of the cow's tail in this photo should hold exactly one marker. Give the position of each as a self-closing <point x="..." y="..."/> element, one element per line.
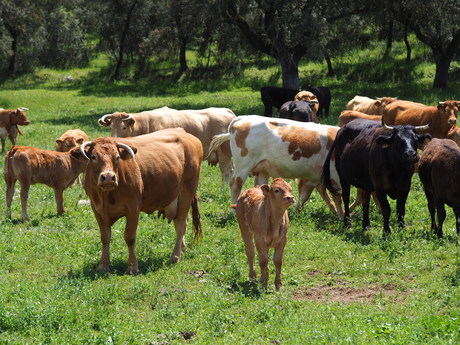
<point x="326" y="175"/>
<point x="7" y="167"/>
<point x="216" y="141"/>
<point x="197" y="230"/>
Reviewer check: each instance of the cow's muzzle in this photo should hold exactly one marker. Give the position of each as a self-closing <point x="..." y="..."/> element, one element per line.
<point x="289" y="199"/>
<point x="107" y="181"/>
<point x="452" y="121"/>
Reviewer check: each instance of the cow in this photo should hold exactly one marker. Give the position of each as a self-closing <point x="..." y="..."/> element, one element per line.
<point x="204" y="124"/>
<point x="276" y="96"/>
<point x="263" y="218"/>
<point x="152" y="172"/>
<point x="30" y="165"/>
<point x="441" y="118"/>
<point x="10" y="120"/>
<point x="299" y="111"/>
<point x="267" y="147"/>
<point x="368" y="105"/>
<point x="380" y="160"/>
<point x="350" y="115"/>
<point x="454" y="134"/>
<point x="308" y="97"/>
<point x="439" y="172"/>
<point x="70" y="139"/>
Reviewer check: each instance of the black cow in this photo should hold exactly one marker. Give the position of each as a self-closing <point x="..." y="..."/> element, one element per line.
<point x="439" y="171"/>
<point x="380" y="160"/>
<point x="298" y="111"/>
<point x="276" y="96"/>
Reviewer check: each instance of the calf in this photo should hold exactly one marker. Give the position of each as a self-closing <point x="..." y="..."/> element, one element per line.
<point x="70" y="139"/>
<point x="368" y="105"/>
<point x="30" y="165"/>
<point x="309" y="97"/>
<point x="299" y="111"/>
<point x="10" y="119"/>
<point x="380" y="160"/>
<point x="263" y="218"/>
<point x="439" y="171"/>
<point x="350" y="115"/>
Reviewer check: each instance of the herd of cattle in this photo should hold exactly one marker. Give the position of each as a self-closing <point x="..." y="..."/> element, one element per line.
<point x="151" y="162"/>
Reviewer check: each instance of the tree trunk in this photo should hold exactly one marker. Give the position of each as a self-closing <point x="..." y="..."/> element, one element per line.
<point x="182" y="58"/>
<point x="13" y="57"/>
<point x="289" y="72"/>
<point x="442" y="69"/>
<point x="389" y="37"/>
<point x="408" y="47"/>
<point x="330" y="70"/>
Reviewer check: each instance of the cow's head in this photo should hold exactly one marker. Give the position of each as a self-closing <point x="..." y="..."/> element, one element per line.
<point x="18" y="117"/>
<point x="449" y="110"/>
<point x="68" y="143"/>
<point x="104" y="157"/>
<point x="402" y="142"/>
<point x="305" y="96"/>
<point x="382" y="102"/>
<point x="121" y="123"/>
<point x="279" y="192"/>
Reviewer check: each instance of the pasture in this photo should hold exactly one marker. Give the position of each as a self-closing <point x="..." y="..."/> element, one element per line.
<point x="341" y="285"/>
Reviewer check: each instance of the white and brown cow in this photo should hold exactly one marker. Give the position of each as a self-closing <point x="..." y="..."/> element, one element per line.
<point x="368" y="105"/>
<point x="267" y="147"/>
<point x="203" y="124"/>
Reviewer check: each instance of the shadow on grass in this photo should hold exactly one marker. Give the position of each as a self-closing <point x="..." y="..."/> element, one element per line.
<point x="247" y="288"/>
<point x="118" y="267"/>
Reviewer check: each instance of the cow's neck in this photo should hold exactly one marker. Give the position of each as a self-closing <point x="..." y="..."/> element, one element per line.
<point x="275" y="215"/>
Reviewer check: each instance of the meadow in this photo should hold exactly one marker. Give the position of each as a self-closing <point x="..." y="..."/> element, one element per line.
<point x="341" y="286"/>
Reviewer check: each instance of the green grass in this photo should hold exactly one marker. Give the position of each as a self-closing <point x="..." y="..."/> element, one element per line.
<point x="50" y="292"/>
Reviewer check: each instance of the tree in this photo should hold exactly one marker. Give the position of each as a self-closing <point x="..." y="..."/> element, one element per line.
<point x="434" y="25"/>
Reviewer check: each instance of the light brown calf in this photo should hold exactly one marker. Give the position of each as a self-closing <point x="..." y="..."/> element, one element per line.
<point x="368" y="105"/>
<point x="263" y="219"/>
<point x="70" y="139"/>
<point x="308" y="97"/>
<point x="10" y="119"/>
<point x="30" y="165"/>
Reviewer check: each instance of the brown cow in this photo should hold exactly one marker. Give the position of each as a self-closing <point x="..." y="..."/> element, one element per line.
<point x="162" y="176"/>
<point x="30" y="165"/>
<point x="439" y="171"/>
<point x="309" y="97"/>
<point x="70" y="139"/>
<point x="263" y="218"/>
<point x="349" y="115"/>
<point x="441" y="118"/>
<point x="454" y="134"/>
<point x="10" y="119"/>
<point x="368" y="105"/>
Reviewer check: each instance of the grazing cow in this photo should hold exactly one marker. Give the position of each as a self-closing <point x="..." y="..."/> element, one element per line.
<point x="70" y="139"/>
<point x="263" y="218"/>
<point x="439" y="171"/>
<point x="308" y="97"/>
<point x="203" y="124"/>
<point x="299" y="111"/>
<point x="276" y="96"/>
<point x="10" y="119"/>
<point x="350" y="115"/>
<point x="267" y="147"/>
<point x="380" y="160"/>
<point x="368" y="105"/>
<point x="162" y="176"/>
<point x="30" y="165"/>
<point x="441" y="118"/>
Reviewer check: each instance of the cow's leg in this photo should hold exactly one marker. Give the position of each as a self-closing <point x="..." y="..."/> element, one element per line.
<point x="9" y="195"/>
<point x="248" y="239"/>
<point x="441" y="211"/>
<point x="106" y="234"/>
<point x="268" y="108"/>
<point x="3" y="143"/>
<point x="58" y="195"/>
<point x="132" y="220"/>
<point x="236" y="183"/>
<point x="278" y="261"/>
<point x="401" y="209"/>
<point x="225" y="163"/>
<point x="262" y="251"/>
<point x="305" y="190"/>
<point x="25" y="185"/>
<point x="359" y="199"/>
<point x="432" y="209"/>
<point x="346" y="203"/>
<point x="12" y="134"/>
<point x="260" y="179"/>
<point x="337" y="206"/>
<point x="457" y="220"/>
<point x="366" y="196"/>
<point x="386" y="211"/>
<point x="180" y="224"/>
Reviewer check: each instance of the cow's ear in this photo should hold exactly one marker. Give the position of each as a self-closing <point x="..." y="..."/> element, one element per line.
<point x="79" y="141"/>
<point x="441" y="106"/>
<point x="76" y="153"/>
<point x="124" y="154"/>
<point x="422" y="140"/>
<point x="58" y="141"/>
<point x="378" y="103"/>
<point x="130" y="122"/>
<point x="384" y="140"/>
<point x="265" y="189"/>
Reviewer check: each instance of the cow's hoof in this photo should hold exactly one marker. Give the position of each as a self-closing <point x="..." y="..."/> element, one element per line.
<point x="103" y="268"/>
<point x="174" y="259"/>
<point x="134" y="271"/>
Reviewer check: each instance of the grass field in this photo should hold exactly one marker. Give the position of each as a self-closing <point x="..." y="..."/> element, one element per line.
<point x="341" y="286"/>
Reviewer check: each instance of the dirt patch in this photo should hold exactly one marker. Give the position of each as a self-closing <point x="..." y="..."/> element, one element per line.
<point x="344" y="293"/>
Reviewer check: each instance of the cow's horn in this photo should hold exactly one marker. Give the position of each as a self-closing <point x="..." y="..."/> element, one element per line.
<point x="313" y="102"/>
<point x="23" y="109"/>
<point x="128" y="118"/>
<point x="82" y="148"/>
<point x="386" y="126"/>
<point x="422" y="128"/>
<point x="127" y="148"/>
<point x="441" y="102"/>
<point x="104" y="118"/>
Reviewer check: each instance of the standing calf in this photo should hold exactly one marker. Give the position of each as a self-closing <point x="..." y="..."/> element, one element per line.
<point x="262" y="216"/>
<point x="439" y="171"/>
<point x="30" y="165"/>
